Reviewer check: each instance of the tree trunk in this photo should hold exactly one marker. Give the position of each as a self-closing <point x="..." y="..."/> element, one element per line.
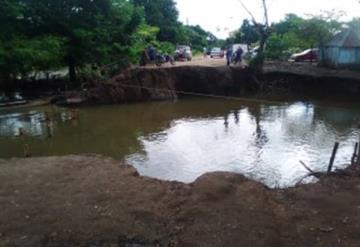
<point x="258" y="62"/>
<point x="262" y="44"/>
<point x="264" y="33"/>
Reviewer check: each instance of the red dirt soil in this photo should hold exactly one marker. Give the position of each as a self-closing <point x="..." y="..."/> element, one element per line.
<point x="96" y="201"/>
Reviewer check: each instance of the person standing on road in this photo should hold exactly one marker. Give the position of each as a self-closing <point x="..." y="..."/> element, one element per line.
<point x="229" y="54"/>
<point x="238" y="56"/>
<point x="205" y="52"/>
<point x="152" y="53"/>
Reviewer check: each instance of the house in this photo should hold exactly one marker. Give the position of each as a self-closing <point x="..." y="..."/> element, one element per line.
<point x="343" y="51"/>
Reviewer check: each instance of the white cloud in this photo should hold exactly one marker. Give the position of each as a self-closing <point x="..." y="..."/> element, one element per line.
<point x="223" y="16"/>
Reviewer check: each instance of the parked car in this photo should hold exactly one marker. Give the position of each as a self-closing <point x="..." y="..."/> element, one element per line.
<point x="183" y="52"/>
<point x="307" y="55"/>
<point x="217" y="52"/>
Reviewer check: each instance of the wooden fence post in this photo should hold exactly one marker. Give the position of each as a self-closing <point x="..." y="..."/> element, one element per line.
<point x="27" y="151"/>
<point x="358" y="154"/>
<point x="333" y="155"/>
<point x="354" y="158"/>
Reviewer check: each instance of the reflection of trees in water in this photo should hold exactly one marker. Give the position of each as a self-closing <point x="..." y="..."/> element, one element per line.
<point x="260" y="115"/>
<point x="298" y="121"/>
<point x="304" y="121"/>
<point x="255" y="113"/>
<point x="260" y="137"/>
<point x="293" y="121"/>
<point x="340" y="120"/>
<point x="260" y="134"/>
<point x="49" y="129"/>
<point x="31" y="124"/>
<point x="226" y="121"/>
<point x="19" y="124"/>
<point x="236" y="117"/>
<point x="259" y="142"/>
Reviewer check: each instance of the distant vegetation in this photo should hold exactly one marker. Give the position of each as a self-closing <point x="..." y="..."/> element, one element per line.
<point x="40" y="35"/>
<point x="293" y="33"/>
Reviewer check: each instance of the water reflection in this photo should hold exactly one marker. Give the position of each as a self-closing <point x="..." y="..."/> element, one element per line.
<point x="13" y="96"/>
<point x="265" y="143"/>
<point x="236" y="116"/>
<point x="183" y="140"/>
<point x="226" y="121"/>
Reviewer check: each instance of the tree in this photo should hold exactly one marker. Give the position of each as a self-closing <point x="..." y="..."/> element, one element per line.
<point x="197" y="37"/>
<point x="354" y="23"/>
<point x="162" y="14"/>
<point x="22" y="56"/>
<point x="315" y="32"/>
<point x="263" y="30"/>
<point x="37" y="35"/>
<point x="319" y="29"/>
<point x="144" y="36"/>
<point x="86" y="31"/>
<point x="291" y="23"/>
<point x="295" y="33"/>
<point x="247" y="34"/>
<point x="19" y="52"/>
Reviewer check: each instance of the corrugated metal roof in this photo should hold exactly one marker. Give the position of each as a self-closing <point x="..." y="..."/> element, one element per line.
<point x="349" y="39"/>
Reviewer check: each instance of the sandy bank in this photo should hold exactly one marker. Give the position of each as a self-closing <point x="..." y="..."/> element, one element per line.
<point x="95" y="201"/>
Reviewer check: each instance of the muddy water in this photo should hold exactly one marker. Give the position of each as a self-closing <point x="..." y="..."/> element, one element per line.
<point x="185" y="139"/>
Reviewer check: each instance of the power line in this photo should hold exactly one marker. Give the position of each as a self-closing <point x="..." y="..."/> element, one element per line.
<point x="199" y="94"/>
<point x="232" y="98"/>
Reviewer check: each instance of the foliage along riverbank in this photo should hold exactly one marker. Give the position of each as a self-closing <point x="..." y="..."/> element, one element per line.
<point x="47" y="35"/>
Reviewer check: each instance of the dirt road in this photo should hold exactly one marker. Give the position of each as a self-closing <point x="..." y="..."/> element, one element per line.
<point x="196" y="61"/>
<point x="307" y="69"/>
<point x="95" y="201"/>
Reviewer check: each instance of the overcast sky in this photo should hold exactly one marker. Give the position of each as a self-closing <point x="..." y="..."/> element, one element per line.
<point x="222" y="16"/>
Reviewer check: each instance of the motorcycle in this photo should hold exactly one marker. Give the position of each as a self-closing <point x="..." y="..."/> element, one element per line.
<point x="162" y="59"/>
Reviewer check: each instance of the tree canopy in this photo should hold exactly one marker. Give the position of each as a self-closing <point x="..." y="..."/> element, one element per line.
<point x="51" y="33"/>
<point x="164" y="15"/>
<point x="38" y="35"/>
<point x="294" y="33"/>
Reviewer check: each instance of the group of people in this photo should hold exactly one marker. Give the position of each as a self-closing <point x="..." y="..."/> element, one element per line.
<point x="234" y="57"/>
<point x="151" y="55"/>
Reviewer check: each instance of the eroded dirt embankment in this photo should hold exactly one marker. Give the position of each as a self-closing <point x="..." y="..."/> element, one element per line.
<point x="95" y="201"/>
<point x="206" y="76"/>
<point x="142" y="84"/>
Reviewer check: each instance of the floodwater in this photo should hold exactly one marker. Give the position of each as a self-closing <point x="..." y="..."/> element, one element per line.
<point x="183" y="140"/>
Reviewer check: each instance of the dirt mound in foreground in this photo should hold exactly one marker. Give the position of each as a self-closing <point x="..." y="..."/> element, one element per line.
<point x="96" y="201"/>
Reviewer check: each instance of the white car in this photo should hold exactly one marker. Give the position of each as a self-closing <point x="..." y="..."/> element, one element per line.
<point x="183" y="52"/>
<point x="217" y="52"/>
